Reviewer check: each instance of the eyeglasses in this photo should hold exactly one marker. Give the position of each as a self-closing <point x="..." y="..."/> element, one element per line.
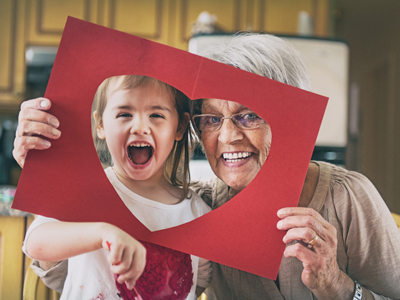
<point x="209" y="122"/>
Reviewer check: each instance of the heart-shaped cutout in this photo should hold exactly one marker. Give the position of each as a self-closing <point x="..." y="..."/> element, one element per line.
<point x="68" y="183"/>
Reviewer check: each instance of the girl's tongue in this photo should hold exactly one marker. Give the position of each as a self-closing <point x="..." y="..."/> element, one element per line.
<point x="140" y="155"/>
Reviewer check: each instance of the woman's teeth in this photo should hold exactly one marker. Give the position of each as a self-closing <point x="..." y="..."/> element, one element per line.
<point x="236" y="156"/>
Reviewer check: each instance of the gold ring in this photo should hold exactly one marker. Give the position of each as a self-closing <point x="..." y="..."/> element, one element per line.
<point x="313" y="241"/>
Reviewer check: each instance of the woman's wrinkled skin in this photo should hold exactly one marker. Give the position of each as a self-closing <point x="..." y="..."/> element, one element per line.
<point x="250" y="146"/>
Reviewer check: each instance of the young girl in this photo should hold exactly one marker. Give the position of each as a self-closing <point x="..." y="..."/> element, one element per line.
<point x="141" y="129"/>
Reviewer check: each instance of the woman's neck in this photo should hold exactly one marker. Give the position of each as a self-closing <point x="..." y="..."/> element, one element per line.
<point x="232" y="193"/>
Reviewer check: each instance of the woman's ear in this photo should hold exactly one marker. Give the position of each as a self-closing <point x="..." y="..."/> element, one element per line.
<point x="99" y="128"/>
<point x="182" y="127"/>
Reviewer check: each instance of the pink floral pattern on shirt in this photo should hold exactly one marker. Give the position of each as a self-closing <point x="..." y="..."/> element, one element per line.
<point x="168" y="275"/>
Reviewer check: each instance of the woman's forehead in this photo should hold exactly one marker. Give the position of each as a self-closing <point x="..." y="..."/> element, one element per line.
<point x="219" y="105"/>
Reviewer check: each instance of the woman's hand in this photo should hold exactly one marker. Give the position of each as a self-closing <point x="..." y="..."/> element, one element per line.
<point x="321" y="273"/>
<point x="35" y="127"/>
<point x="127" y="256"/>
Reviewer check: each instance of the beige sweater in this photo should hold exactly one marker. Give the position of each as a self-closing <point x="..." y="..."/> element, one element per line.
<point x="368" y="243"/>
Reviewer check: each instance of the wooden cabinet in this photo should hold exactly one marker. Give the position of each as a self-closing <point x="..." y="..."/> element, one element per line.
<point x="26" y="23"/>
<point x="145" y="18"/>
<point x="12" y="231"/>
<point x="273" y="16"/>
<point x="12" y="53"/>
<point x="46" y="19"/>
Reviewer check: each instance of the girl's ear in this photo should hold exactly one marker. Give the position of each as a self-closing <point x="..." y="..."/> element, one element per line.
<point x="99" y="128"/>
<point x="182" y="127"/>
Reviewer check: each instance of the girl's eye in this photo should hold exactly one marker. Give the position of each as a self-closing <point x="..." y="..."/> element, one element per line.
<point x="157" y="116"/>
<point x="124" y="115"/>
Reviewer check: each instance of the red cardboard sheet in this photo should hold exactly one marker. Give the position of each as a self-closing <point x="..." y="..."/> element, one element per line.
<point x="67" y="181"/>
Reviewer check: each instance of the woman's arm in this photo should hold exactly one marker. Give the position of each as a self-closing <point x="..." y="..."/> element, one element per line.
<point x="203" y="275"/>
<point x="369" y="242"/>
<point x="127" y="257"/>
<point x="54" y="277"/>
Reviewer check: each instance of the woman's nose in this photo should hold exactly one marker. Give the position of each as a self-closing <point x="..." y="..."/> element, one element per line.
<point x="139" y="126"/>
<point x="229" y="132"/>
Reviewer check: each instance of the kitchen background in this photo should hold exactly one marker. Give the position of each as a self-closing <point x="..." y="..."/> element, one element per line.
<point x="366" y="30"/>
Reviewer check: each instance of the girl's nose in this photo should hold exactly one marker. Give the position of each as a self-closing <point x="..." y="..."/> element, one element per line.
<point x="229" y="133"/>
<point x="140" y="127"/>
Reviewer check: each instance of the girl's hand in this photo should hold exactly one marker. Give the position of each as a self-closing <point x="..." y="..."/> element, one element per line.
<point x="34" y="126"/>
<point x="127" y="256"/>
<point x="321" y="273"/>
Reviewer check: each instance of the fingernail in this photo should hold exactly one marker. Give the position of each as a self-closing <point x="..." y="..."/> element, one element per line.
<point x="55" y="132"/>
<point x="280" y="223"/>
<point x="44" y="103"/>
<point x="54" y="122"/>
<point x="46" y="144"/>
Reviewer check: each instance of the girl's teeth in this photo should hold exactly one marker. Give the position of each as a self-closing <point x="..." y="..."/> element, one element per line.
<point x="139" y="145"/>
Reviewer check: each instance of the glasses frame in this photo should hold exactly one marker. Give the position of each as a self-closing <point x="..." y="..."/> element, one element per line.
<point x="235" y="122"/>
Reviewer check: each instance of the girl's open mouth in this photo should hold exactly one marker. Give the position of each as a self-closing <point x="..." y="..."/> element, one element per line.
<point x="140" y="153"/>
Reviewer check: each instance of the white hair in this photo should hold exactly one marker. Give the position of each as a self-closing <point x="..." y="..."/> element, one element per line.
<point x="265" y="55"/>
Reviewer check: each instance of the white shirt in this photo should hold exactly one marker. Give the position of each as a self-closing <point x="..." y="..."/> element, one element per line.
<point x="89" y="276"/>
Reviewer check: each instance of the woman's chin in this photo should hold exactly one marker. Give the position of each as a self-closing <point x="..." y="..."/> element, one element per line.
<point x="235" y="183"/>
<point x="238" y="179"/>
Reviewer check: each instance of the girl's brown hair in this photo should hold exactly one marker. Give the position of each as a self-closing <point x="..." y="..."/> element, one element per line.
<point x="176" y="169"/>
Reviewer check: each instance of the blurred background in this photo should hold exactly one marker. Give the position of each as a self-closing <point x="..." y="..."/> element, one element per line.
<point x="351" y="48"/>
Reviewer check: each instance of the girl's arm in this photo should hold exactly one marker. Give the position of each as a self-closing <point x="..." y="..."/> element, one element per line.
<point x="55" y="241"/>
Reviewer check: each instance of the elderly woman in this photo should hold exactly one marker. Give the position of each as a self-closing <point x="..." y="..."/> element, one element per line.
<point x="342" y="242"/>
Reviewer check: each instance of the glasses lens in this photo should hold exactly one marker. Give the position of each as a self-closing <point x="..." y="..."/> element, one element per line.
<point x="247" y="120"/>
<point x="208" y="122"/>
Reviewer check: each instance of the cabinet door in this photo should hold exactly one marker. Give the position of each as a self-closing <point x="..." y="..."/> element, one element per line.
<point x="148" y="19"/>
<point x="282" y="16"/>
<point x="11" y="257"/>
<point x="12" y="72"/>
<point x="47" y="18"/>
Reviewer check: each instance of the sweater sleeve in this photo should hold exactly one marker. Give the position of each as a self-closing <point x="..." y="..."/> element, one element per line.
<point x="54" y="277"/>
<point x="204" y="273"/>
<point x="370" y="235"/>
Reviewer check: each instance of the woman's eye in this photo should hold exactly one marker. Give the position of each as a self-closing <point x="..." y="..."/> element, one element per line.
<point x="250" y="116"/>
<point x="214" y="119"/>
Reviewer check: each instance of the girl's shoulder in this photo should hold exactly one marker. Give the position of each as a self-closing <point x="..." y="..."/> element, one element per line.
<point x="197" y="203"/>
